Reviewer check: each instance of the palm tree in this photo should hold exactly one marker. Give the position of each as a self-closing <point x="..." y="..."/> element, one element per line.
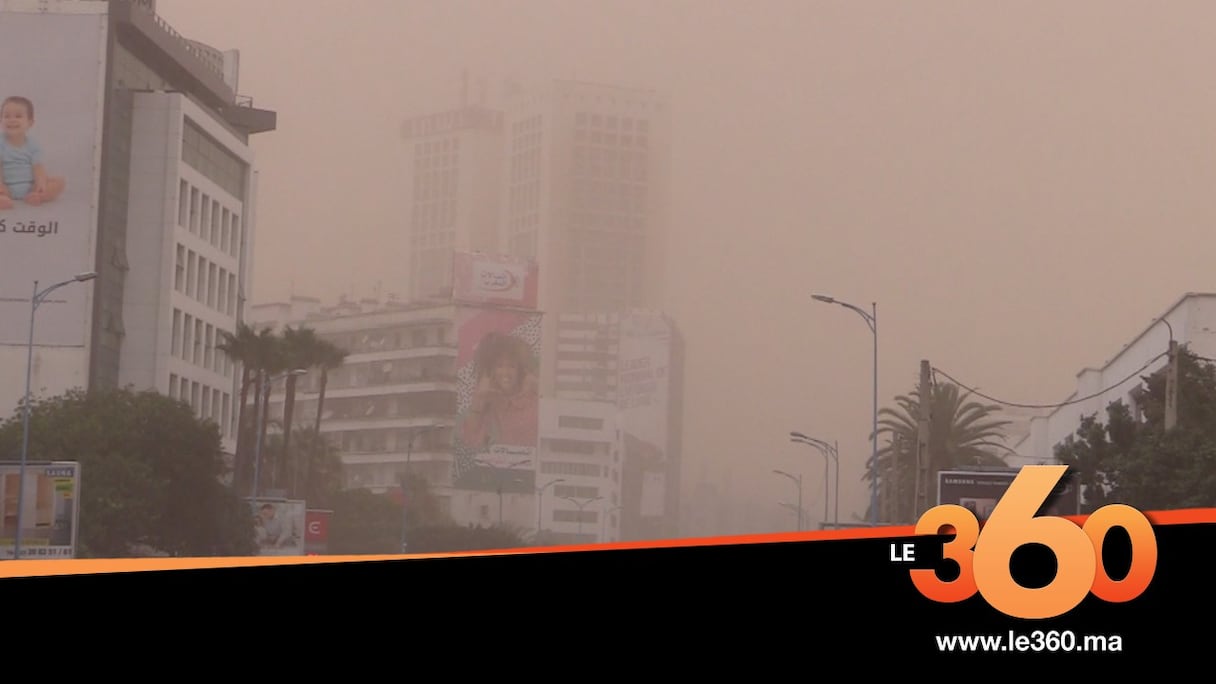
<point x="962" y="433"/>
<point x="329" y="357"/>
<point x="300" y="349"/>
<point x="242" y="349"/>
<point x="268" y="360"/>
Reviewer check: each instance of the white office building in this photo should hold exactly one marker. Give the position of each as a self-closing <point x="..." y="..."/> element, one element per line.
<point x="160" y="205"/>
<point x="1192" y="320"/>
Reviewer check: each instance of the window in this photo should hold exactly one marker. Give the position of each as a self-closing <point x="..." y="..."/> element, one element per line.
<point x="179" y="276"/>
<point x="580" y="422"/>
<point x="176" y="349"/>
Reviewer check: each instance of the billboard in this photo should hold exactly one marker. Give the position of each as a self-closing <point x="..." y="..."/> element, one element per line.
<point x="497" y="399"/>
<point x="980" y="490"/>
<point x="490" y="279"/>
<point x="279" y="526"/>
<point x="51" y="104"/>
<point x="316" y="531"/>
<point x="50" y="511"/>
<point x="643" y="395"/>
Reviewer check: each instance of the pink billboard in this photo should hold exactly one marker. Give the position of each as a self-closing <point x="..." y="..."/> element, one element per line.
<point x="491" y="279"/>
<point x="497" y="400"/>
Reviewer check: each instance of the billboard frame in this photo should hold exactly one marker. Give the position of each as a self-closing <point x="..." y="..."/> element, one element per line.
<point x="8" y="552"/>
<point x="1070" y="478"/>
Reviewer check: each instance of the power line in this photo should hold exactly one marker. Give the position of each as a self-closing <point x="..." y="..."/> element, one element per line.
<point x="1061" y="404"/>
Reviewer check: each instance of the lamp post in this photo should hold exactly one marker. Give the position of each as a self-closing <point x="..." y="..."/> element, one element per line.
<point x="36" y="300"/>
<point x="409" y="452"/>
<point x="829" y="451"/>
<point x="581" y="505"/>
<point x="871" y="319"/>
<point x="540" y="498"/>
<point x="790" y="507"/>
<point x="498" y="478"/>
<point x="798" y="481"/>
<point x="261" y="422"/>
<point x="604" y="522"/>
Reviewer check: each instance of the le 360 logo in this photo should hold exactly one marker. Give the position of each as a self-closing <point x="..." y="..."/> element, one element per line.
<point x="984" y="559"/>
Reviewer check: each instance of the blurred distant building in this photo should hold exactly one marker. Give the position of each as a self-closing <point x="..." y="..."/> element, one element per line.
<point x="581" y="172"/>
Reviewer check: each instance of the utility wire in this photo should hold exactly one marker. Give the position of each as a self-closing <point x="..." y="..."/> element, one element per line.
<point x="1053" y="406"/>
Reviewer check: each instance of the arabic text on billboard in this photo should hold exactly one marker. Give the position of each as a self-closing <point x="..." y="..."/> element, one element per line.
<point x="498" y="401"/>
<point x="50" y="134"/>
<point x="50" y="509"/>
<point x="494" y="279"/>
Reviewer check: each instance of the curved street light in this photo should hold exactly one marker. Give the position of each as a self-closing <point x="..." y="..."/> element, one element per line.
<point x="36" y="300"/>
<point x="499" y="477"/>
<point x="829" y="451"/>
<point x="871" y="319"/>
<point x="540" y="498"/>
<point x="583" y="503"/>
<point x="797" y="479"/>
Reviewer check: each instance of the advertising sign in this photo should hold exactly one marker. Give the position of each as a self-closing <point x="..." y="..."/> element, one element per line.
<point x="980" y="490"/>
<point x="50" y="511"/>
<point x="479" y="278"/>
<point x="279" y="526"/>
<point x="50" y="142"/>
<point x="497" y="400"/>
<point x="642" y="398"/>
<point x="316" y="531"/>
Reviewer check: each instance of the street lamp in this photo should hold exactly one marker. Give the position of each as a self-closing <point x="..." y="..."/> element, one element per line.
<point x="498" y="478"/>
<point x="261" y="422"/>
<point x="871" y="319"/>
<point x="604" y="522"/>
<point x="829" y="451"/>
<point x="540" y="498"/>
<point x="798" y="481"/>
<point x="790" y="507"/>
<point x="581" y="505"/>
<point x="35" y="301"/>
<point x="409" y="451"/>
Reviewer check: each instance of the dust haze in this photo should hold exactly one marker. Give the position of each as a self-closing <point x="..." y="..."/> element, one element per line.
<point x="1019" y="187"/>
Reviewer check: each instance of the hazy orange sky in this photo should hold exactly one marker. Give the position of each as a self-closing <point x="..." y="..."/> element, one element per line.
<point x="1022" y="187"/>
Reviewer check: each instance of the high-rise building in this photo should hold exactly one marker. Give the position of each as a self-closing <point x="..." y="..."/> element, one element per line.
<point x="572" y="177"/>
<point x="456" y="162"/>
<point x="150" y="136"/>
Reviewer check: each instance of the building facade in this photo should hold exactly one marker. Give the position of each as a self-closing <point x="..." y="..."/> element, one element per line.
<point x="166" y="205"/>
<point x="1191" y="321"/>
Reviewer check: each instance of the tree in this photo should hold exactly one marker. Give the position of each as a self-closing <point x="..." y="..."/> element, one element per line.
<point x="962" y="433"/>
<point x="1130" y="458"/>
<point x="259" y="354"/>
<point x="150" y="473"/>
<point x="316" y="457"/>
<point x="364" y="523"/>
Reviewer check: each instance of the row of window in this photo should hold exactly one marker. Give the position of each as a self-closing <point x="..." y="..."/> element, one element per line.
<point x="208" y="218"/>
<point x="208" y="403"/>
<point x="385" y="339"/>
<point x="205" y="281"/>
<point x="432" y="185"/>
<point x="612" y="139"/>
<point x="197" y="342"/>
<point x="206" y="155"/>
<point x="437" y="215"/>
<point x="589" y="161"/>
<point x="611" y="123"/>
